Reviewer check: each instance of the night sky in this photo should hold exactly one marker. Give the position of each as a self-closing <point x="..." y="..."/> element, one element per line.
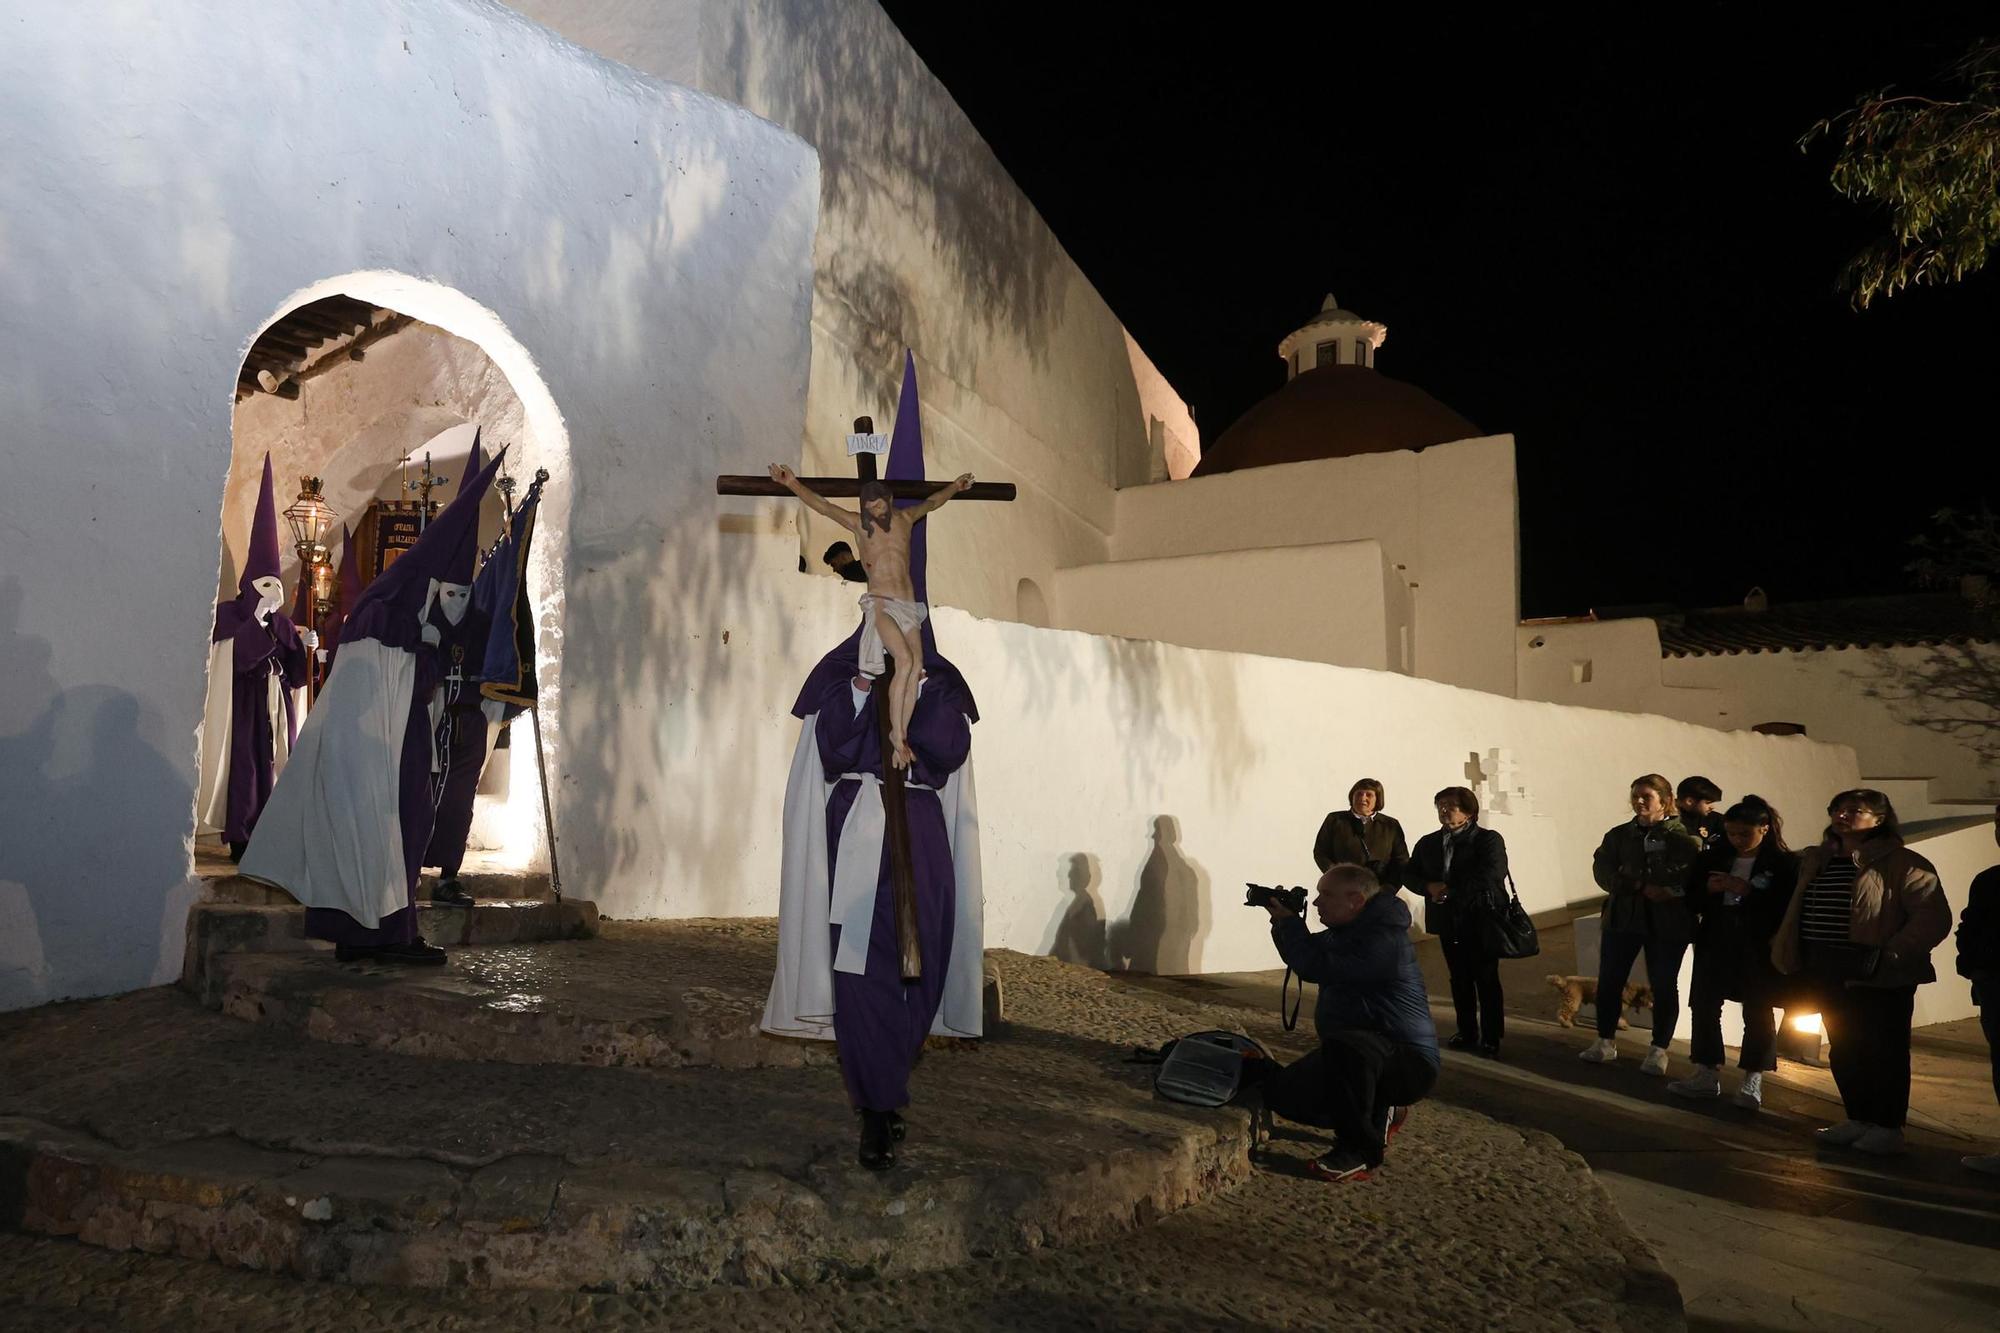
<point x="1604" y="240"/>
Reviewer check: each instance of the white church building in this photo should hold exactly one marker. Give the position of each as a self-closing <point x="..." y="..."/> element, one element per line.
<point x="647" y="245"/>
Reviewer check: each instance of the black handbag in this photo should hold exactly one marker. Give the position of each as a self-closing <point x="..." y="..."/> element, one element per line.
<point x="1507" y="932"/>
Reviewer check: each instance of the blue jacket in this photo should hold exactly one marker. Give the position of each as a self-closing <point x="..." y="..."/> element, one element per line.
<point x="1366" y="972"/>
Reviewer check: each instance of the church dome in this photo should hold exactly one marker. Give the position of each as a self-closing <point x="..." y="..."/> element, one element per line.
<point x="1335" y="411"/>
<point x="1335" y="404"/>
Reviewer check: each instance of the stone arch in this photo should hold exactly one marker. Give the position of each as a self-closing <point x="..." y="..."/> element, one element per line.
<point x="453" y="362"/>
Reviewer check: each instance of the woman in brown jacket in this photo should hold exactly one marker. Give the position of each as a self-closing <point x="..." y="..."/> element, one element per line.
<point x="1362" y="835"/>
<point x="1861" y="927"/>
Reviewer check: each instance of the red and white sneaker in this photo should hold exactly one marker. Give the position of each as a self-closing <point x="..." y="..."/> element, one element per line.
<point x="1398" y="1117"/>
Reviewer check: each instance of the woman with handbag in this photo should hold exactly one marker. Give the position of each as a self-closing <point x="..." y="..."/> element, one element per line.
<point x="1740" y="891"/>
<point x="1861" y="927"/>
<point x="1461" y="871"/>
<point x="1643" y="864"/>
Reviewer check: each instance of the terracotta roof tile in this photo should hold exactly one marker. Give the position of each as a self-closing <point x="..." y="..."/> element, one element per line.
<point x="1861" y="622"/>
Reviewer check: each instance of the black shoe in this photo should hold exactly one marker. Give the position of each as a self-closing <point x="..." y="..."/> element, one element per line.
<point x="354" y="953"/>
<point x="1490" y="1049"/>
<point x="416" y="952"/>
<point x="878" y="1140"/>
<point x="1341" y="1166"/>
<point x="236" y="850"/>
<point x="897" y="1129"/>
<point x="449" y="890"/>
<point x="1460" y="1042"/>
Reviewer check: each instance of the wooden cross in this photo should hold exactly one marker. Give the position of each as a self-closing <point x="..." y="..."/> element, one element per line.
<point x="902" y="879"/>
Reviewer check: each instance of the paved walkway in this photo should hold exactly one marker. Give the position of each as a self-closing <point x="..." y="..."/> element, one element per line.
<point x="1761" y="1229"/>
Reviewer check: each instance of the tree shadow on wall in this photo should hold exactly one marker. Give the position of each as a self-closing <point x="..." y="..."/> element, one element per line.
<point x="1079" y="927"/>
<point x="79" y="887"/>
<point x="1952" y="690"/>
<point x="895" y="153"/>
<point x="1170" y="913"/>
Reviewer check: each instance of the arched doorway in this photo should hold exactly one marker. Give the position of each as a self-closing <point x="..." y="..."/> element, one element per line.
<point x="359" y="381"/>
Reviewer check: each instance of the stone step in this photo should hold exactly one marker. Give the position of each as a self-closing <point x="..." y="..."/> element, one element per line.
<point x="552" y="1003"/>
<point x="179" y="1131"/>
<point x="496" y="885"/>
<point x="219" y="928"/>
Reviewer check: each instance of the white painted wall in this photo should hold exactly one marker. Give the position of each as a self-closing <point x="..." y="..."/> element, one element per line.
<point x="1446" y="516"/>
<point x="1875" y="700"/>
<point x="636" y="257"/>
<point x="1089" y="741"/>
<point x="1340" y="603"/>
<point x="926" y="242"/>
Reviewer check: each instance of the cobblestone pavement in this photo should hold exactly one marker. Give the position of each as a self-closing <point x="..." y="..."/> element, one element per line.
<point x="1472" y="1225"/>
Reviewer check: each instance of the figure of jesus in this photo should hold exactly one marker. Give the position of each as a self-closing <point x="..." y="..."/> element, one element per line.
<point x="891" y="612"/>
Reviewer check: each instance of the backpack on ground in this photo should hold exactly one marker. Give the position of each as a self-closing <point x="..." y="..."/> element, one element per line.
<point x="1206" y="1068"/>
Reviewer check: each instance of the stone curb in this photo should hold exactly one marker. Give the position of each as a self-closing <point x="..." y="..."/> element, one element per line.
<point x="529" y="1220"/>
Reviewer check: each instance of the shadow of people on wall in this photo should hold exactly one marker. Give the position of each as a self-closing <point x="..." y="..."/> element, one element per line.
<point x="1170" y="911"/>
<point x="1080" y="928"/>
<point x="91" y="884"/>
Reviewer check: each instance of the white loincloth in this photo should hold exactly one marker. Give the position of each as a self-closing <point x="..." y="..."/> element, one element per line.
<point x="906" y="614"/>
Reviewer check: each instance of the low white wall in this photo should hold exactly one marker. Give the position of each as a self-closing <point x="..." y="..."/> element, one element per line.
<point x="1089" y="744"/>
<point x="1444" y="517"/>
<point x="1316" y="603"/>
<point x="1890" y="704"/>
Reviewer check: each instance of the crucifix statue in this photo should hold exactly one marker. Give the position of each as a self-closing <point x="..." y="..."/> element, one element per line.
<point x="891" y="646"/>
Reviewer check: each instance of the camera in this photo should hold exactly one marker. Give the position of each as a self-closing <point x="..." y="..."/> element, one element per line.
<point x="1263" y="895"/>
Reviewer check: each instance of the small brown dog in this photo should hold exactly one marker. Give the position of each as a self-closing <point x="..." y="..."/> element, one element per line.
<point x="1579" y="991"/>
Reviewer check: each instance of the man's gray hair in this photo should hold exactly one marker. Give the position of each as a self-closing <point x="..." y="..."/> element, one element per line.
<point x="1359" y="878"/>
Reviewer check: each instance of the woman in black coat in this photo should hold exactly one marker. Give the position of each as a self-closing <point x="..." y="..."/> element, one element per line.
<point x="1739" y="892"/>
<point x="1461" y="871"/>
<point x="1362" y="835"/>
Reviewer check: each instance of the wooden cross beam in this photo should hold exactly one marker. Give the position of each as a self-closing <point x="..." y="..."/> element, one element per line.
<point x="847" y="488"/>
<point x="895" y="809"/>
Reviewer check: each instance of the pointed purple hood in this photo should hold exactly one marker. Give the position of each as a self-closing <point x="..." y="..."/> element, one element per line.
<point x="389" y="608"/>
<point x="906" y="463"/>
<point x="464" y="557"/>
<point x="262" y="558"/>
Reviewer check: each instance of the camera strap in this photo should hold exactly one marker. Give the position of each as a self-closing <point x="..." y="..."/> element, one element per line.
<point x="1291" y="1019"/>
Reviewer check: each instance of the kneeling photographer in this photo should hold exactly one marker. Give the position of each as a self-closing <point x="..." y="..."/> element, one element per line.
<point x="1378" y="1049"/>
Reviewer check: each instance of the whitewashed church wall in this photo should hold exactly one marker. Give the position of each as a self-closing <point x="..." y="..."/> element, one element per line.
<point x="1327" y="603"/>
<point x="925" y="241"/>
<point x="1445" y="518"/>
<point x="1889" y="704"/>
<point x="640" y="256"/>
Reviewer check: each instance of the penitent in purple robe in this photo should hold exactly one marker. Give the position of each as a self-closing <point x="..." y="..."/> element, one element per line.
<point x="260" y="647"/>
<point x="879" y="1021"/>
<point x="459" y="738"/>
<point x="365" y="754"/>
<point x="258" y="651"/>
